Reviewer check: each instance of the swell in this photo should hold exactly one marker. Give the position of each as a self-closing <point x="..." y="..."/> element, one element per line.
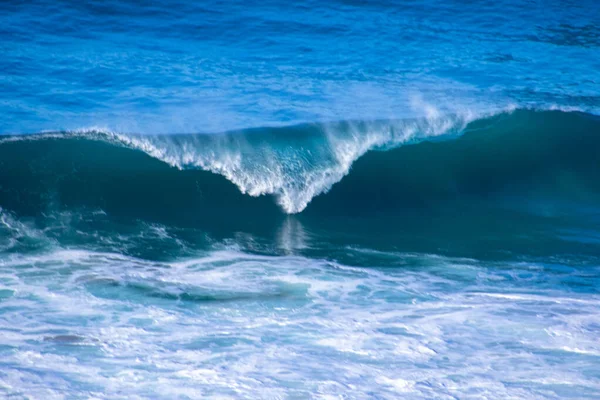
<point x="390" y="166"/>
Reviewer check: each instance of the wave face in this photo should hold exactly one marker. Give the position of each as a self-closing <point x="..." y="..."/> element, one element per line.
<point x="390" y="165"/>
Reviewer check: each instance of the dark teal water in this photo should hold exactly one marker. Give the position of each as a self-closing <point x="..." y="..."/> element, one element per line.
<point x="313" y="200"/>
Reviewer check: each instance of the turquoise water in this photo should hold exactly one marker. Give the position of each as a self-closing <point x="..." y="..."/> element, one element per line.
<point x="316" y="200"/>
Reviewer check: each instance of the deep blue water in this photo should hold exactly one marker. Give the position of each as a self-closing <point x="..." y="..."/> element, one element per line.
<point x="198" y="66"/>
<point x="333" y="199"/>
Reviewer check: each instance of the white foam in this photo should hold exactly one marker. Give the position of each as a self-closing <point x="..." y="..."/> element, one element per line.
<point x="399" y="385"/>
<point x="289" y="327"/>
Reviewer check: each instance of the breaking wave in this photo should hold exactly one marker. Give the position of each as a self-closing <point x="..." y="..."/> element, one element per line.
<point x="389" y="164"/>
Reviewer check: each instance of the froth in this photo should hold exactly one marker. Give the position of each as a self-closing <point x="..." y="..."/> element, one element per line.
<point x="294" y="174"/>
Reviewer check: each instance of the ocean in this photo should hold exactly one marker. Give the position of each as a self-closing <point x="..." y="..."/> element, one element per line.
<point x="334" y="199"/>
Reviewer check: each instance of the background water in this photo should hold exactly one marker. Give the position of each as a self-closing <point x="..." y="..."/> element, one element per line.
<point x="197" y="66"/>
<point x="334" y="199"/>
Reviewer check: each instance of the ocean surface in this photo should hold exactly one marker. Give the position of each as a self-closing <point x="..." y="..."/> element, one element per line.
<point x="334" y="199"/>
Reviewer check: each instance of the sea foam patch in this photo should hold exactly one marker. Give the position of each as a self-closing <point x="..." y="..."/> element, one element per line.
<point x="231" y="324"/>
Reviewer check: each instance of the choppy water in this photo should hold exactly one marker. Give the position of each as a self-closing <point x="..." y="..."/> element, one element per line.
<point x="315" y="200"/>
